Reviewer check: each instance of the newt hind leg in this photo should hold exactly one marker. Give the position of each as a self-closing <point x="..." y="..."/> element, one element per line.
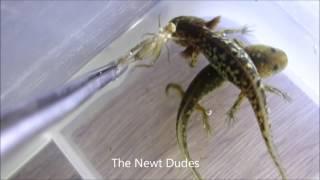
<point x="205" y="117"/>
<point x="203" y="111"/>
<point x="278" y="92"/>
<point x="231" y="119"/>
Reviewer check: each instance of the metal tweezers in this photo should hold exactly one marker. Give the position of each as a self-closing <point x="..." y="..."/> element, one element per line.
<point x="25" y="122"/>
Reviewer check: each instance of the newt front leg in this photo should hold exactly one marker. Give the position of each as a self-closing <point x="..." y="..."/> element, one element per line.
<point x="268" y="61"/>
<point x="208" y="79"/>
<point x="232" y="63"/>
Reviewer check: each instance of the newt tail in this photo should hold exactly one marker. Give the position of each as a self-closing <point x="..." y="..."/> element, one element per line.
<point x="233" y="64"/>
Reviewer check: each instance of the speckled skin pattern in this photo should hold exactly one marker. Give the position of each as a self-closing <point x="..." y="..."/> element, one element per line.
<point x="231" y="62"/>
<point x="268" y="61"/>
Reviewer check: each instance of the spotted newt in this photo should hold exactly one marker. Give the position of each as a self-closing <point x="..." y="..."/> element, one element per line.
<point x="231" y="62"/>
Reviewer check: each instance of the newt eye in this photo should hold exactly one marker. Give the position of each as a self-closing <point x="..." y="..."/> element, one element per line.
<point x="275" y="67"/>
<point x="273" y="50"/>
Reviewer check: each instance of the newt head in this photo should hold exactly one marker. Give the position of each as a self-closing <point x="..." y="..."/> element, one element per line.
<point x="267" y="59"/>
<point x="184" y="28"/>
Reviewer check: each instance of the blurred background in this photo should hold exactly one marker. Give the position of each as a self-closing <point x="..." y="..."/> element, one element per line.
<point x="44" y="44"/>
